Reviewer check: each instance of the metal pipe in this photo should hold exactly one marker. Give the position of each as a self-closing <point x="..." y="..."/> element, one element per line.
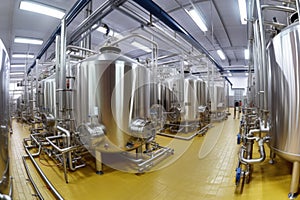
<point x="102" y="11"/>
<point x="5" y="197"/>
<point x="162" y="15"/>
<point x="36" y="189"/>
<point x="200" y="132"/>
<point x="278" y="8"/>
<point x="74" y="11"/>
<point x="51" y="187"/>
<point x="254" y="160"/>
<point x="68" y="134"/>
<point x="263" y="48"/>
<point x="157" y="154"/>
<point x="81" y="49"/>
<point x="62" y="71"/>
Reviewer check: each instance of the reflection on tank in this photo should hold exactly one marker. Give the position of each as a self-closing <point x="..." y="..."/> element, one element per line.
<point x="5" y="179"/>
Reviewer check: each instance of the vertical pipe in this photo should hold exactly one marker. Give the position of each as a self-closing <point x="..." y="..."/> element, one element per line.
<point x="57" y="74"/>
<point x="37" y="84"/>
<point x="298" y="9"/>
<point x="62" y="81"/>
<point x="25" y="89"/>
<point x="31" y="98"/>
<point x="263" y="51"/>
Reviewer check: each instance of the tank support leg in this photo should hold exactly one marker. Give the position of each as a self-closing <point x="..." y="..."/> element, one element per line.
<point x="295" y="180"/>
<point x="272" y="157"/>
<point x="98" y="162"/>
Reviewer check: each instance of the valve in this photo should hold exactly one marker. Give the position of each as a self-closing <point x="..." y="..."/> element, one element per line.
<point x="238" y="175"/>
<point x="238" y="138"/>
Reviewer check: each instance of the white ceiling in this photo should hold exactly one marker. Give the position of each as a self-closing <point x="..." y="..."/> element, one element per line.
<point x="221" y="16"/>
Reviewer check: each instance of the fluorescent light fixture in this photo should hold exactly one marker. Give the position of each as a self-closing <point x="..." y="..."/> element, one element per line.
<point x="21" y="55"/>
<point x="243" y="11"/>
<point x="140" y="46"/>
<point x="246" y="73"/>
<point x="221" y="54"/>
<point x="28" y="40"/>
<point x="246" y="53"/>
<point x="197" y="19"/>
<point x="17" y="65"/>
<point x="16" y="73"/>
<point x="42" y="9"/>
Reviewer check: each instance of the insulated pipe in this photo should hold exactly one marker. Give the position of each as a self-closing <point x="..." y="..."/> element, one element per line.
<point x="255" y="160"/>
<point x="74" y="11"/>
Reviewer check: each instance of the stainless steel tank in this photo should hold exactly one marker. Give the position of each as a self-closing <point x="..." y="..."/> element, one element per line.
<point x="4" y="123"/>
<point x="47" y="95"/>
<point x="284" y="75"/>
<point x="181" y="96"/>
<point x="191" y="101"/>
<point x="202" y="92"/>
<point x="112" y="102"/>
<point x="217" y="98"/>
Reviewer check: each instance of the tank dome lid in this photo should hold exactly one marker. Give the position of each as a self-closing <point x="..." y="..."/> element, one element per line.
<point x="110" y="49"/>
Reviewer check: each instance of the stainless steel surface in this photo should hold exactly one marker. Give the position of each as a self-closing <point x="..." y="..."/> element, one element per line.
<point x="47" y="95"/>
<point x="218" y="98"/>
<point x="182" y="97"/>
<point x="113" y="90"/>
<point x="4" y="121"/>
<point x="283" y="57"/>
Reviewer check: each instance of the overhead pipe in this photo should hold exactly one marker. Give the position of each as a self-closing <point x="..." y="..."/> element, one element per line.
<point x="74" y="11"/>
<point x="162" y="15"/>
<point x="103" y="10"/>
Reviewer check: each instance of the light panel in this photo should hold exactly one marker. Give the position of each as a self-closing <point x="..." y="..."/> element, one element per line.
<point x="197" y="19"/>
<point x="21" y="55"/>
<point x="221" y="54"/>
<point x="42" y="9"/>
<point x="17" y="65"/>
<point x="140" y="46"/>
<point x="16" y="73"/>
<point x="28" y="40"/>
<point x="243" y="11"/>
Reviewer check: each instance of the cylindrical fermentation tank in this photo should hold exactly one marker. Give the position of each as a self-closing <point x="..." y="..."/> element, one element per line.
<point x="182" y="97"/>
<point x="4" y="123"/>
<point x="47" y="95"/>
<point x="217" y="98"/>
<point x="112" y="98"/>
<point x="284" y="75"/>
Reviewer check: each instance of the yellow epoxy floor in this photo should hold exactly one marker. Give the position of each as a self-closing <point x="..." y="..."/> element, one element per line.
<point x="205" y="170"/>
